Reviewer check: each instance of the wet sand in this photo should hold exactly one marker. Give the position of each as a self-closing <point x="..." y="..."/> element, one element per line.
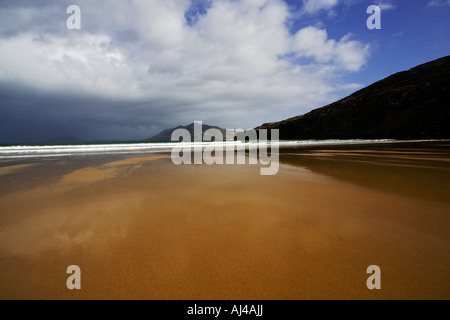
<point x="140" y="227"/>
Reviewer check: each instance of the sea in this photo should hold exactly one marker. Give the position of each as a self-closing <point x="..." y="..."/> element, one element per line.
<point x="68" y="150"/>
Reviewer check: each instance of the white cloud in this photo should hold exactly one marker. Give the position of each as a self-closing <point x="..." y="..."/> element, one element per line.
<point x="346" y="53"/>
<point x="314" y="6"/>
<point x="438" y="3"/>
<point x="384" y="6"/>
<point x="237" y="65"/>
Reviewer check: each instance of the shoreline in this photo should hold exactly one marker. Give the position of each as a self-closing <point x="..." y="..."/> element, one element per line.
<point x="24" y="151"/>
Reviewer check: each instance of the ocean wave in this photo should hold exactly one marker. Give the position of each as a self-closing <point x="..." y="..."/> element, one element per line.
<point x="35" y="151"/>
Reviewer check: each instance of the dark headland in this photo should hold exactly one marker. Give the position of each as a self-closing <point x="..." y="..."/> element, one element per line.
<point x="413" y="104"/>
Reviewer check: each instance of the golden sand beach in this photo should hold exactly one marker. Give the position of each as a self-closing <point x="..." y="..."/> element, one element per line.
<point x="140" y="227"/>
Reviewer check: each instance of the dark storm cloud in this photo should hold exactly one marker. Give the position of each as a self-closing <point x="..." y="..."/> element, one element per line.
<point x="28" y="115"/>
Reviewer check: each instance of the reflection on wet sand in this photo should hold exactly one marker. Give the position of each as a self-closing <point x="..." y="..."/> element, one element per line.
<point x="419" y="170"/>
<point x="143" y="228"/>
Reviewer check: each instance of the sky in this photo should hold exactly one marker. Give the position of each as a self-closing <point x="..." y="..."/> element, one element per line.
<point x="136" y="67"/>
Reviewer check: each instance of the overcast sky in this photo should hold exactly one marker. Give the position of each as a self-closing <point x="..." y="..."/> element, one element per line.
<point x="137" y="67"/>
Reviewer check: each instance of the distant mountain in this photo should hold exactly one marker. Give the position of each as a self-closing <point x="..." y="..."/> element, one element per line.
<point x="413" y="104"/>
<point x="166" y="135"/>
